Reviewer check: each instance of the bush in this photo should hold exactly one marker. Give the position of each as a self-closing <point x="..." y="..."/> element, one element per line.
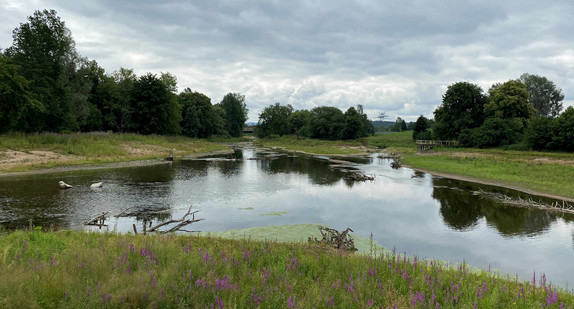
<point x="498" y="132"/>
<point x="539" y="135"/>
<point x="425" y="135"/>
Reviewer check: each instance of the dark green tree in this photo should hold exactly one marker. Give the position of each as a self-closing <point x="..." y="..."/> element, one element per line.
<point x="545" y="97"/>
<point x="274" y="120"/>
<point x="150" y="106"/>
<point x="326" y="122"/>
<point x="462" y="108"/>
<point x="43" y="48"/>
<point x="117" y="113"/>
<point x="18" y="108"/>
<point x="564" y="130"/>
<point x="421" y="126"/>
<point x="200" y="119"/>
<point x="353" y="127"/>
<point x="497" y="132"/>
<point x="235" y="113"/>
<point x="299" y="122"/>
<point x="174" y="118"/>
<point x="539" y="135"/>
<point x="510" y="101"/>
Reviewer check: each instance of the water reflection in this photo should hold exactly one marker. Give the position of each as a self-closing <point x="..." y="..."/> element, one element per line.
<point x="317" y="171"/>
<point x="462" y="208"/>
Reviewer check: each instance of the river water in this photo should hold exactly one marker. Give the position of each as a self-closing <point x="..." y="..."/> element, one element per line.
<point x="416" y="213"/>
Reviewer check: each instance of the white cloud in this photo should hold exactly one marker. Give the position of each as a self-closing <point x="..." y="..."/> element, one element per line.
<point x="397" y="57"/>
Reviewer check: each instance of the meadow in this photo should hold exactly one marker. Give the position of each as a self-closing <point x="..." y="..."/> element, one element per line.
<point x="69" y="269"/>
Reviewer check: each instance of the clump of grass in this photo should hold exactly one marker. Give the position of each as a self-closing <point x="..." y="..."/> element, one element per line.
<point x="87" y="270"/>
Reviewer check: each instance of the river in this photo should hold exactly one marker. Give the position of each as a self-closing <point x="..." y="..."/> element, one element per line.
<point x="416" y="213"/>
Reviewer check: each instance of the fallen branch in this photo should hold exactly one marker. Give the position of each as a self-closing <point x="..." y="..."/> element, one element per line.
<point x="182" y="222"/>
<point x="336" y="239"/>
<point x="99" y="220"/>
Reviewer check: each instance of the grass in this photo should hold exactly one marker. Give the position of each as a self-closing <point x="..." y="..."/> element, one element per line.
<point x="315" y="146"/>
<point x="83" y="148"/>
<point x="88" y="270"/>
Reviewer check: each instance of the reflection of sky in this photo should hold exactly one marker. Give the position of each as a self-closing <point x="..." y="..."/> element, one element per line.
<point x="396" y="208"/>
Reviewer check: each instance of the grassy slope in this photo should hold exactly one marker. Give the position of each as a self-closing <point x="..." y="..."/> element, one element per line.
<point x="79" y="149"/>
<point x="544" y="172"/>
<point x="88" y="270"/>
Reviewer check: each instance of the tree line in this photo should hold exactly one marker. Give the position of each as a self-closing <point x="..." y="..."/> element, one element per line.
<point x="324" y="122"/>
<point x="526" y="113"/>
<point x="45" y="85"/>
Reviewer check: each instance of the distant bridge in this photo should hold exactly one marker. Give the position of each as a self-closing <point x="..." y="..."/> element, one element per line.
<point x="425" y="145"/>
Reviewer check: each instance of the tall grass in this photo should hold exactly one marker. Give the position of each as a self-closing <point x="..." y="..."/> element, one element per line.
<point x="87" y="270"/>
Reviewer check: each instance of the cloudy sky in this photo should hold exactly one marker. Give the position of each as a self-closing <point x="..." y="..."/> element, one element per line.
<point x="396" y="57"/>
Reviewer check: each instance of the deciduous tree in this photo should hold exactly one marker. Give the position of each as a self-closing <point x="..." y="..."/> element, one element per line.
<point x="274" y="120"/>
<point x="235" y="113"/>
<point x="43" y="47"/>
<point x="545" y="97"/>
<point x="462" y="108"/>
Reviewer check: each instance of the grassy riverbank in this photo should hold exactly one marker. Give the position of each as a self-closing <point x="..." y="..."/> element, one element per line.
<point x="21" y="152"/>
<point x="87" y="270"/>
<point x="548" y="173"/>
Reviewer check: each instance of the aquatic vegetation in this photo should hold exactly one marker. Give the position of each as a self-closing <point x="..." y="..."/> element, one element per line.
<point x="87" y="270"/>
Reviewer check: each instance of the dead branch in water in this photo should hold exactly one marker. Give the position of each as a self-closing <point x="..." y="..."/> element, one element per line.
<point x="182" y="222"/>
<point x="147" y="222"/>
<point x="336" y="239"/>
<point x="562" y="206"/>
<point x="99" y="220"/>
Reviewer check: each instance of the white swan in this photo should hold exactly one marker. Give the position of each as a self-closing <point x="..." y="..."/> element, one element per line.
<point x="64" y="185"/>
<point x="97" y="185"/>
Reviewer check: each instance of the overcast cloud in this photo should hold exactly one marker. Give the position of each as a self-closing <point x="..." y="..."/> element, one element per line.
<point x="393" y="56"/>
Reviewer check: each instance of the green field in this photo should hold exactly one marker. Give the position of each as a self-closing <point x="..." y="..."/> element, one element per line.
<point x="89" y="270"/>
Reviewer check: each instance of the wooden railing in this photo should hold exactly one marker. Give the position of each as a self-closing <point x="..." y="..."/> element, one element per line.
<point x="425" y="145"/>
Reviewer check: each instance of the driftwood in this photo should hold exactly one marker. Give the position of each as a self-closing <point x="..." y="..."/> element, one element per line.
<point x="181" y="222"/>
<point x="147" y="222"/>
<point x="336" y="239"/>
<point x="561" y="206"/>
<point x="98" y="220"/>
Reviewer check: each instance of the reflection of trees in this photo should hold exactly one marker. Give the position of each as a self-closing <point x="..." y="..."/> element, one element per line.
<point x="461" y="210"/>
<point x="318" y="171"/>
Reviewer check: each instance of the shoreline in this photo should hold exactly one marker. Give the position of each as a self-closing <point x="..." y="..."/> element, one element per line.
<point x="89" y="166"/>
<point x="490" y="183"/>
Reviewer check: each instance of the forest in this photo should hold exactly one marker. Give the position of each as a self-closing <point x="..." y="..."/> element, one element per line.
<point x="46" y="86"/>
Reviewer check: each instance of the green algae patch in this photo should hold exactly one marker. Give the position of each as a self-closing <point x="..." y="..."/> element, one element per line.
<point x="292" y="233"/>
<point x="274" y="213"/>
